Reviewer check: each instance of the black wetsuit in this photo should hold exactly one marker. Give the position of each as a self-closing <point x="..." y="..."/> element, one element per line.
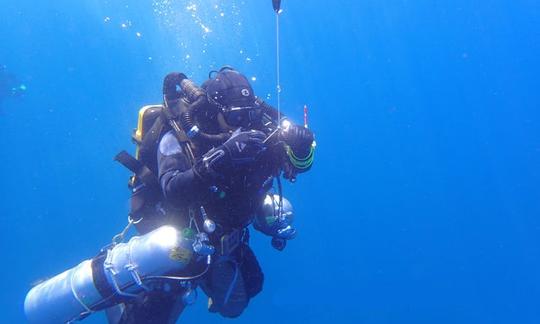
<point x="231" y="201"/>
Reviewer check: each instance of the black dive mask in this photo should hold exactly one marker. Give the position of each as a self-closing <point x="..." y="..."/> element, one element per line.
<point x="242" y="116"/>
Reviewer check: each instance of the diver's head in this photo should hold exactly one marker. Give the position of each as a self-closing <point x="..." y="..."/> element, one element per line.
<point x="231" y="92"/>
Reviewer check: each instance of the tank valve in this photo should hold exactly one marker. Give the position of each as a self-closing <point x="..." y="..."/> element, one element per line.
<point x="208" y="224"/>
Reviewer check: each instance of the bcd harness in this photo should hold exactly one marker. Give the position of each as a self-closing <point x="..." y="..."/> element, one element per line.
<point x="153" y="122"/>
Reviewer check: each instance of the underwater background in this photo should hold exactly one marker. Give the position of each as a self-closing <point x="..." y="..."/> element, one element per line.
<point x="424" y="202"/>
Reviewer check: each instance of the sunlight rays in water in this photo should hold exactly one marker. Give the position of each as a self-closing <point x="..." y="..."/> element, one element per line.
<point x="203" y="28"/>
<point x="194" y="35"/>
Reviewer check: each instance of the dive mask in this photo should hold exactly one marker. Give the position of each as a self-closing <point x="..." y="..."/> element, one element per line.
<point x="242" y="116"/>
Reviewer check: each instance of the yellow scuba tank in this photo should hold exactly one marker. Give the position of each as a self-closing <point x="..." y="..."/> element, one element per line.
<point x="147" y="116"/>
<point x="143" y="183"/>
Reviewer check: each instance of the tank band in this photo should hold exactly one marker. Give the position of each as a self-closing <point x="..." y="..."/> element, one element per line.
<point x="100" y="279"/>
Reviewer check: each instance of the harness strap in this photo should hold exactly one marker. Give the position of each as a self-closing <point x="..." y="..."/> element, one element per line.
<point x="137" y="167"/>
<point x="178" y="132"/>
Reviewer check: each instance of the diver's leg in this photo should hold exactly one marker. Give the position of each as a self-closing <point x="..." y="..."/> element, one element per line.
<point x="251" y="272"/>
<point x="232" y="281"/>
<point x="225" y="288"/>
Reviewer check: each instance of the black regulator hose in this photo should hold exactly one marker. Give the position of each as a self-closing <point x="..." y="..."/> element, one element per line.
<point x="176" y="86"/>
<point x="171" y="85"/>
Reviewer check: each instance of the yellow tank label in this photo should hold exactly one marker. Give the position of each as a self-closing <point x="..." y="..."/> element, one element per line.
<point x="180" y="254"/>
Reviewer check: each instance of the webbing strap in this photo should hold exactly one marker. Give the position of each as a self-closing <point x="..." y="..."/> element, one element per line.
<point x="100" y="279"/>
<point x="138" y="168"/>
<point x="178" y="131"/>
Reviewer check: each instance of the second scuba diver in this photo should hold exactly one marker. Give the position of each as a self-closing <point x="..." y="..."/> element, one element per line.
<point x="10" y="86"/>
<point x="209" y="159"/>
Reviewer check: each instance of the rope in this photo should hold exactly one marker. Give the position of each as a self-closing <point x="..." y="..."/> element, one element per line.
<point x="278" y="85"/>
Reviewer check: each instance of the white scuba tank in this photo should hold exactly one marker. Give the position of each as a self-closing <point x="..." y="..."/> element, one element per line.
<point x="79" y="291"/>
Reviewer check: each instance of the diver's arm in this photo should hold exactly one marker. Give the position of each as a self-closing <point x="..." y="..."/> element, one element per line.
<point x="179" y="183"/>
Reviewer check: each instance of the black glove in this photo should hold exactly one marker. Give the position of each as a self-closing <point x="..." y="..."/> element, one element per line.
<point x="242" y="149"/>
<point x="245" y="147"/>
<point x="298" y="138"/>
<point x="299" y="150"/>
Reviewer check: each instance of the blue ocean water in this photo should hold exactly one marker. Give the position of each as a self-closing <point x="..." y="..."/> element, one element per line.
<point x="423" y="205"/>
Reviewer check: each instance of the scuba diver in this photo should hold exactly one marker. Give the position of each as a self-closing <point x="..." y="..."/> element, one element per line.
<point x="208" y="163"/>
<point x="209" y="160"/>
<point x="10" y="86"/>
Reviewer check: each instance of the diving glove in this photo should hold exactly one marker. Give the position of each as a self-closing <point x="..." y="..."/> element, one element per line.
<point x="242" y="149"/>
<point x="299" y="148"/>
<point x="298" y="138"/>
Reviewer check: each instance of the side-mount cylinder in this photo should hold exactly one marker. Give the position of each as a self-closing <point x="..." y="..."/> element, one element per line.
<point x="103" y="282"/>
